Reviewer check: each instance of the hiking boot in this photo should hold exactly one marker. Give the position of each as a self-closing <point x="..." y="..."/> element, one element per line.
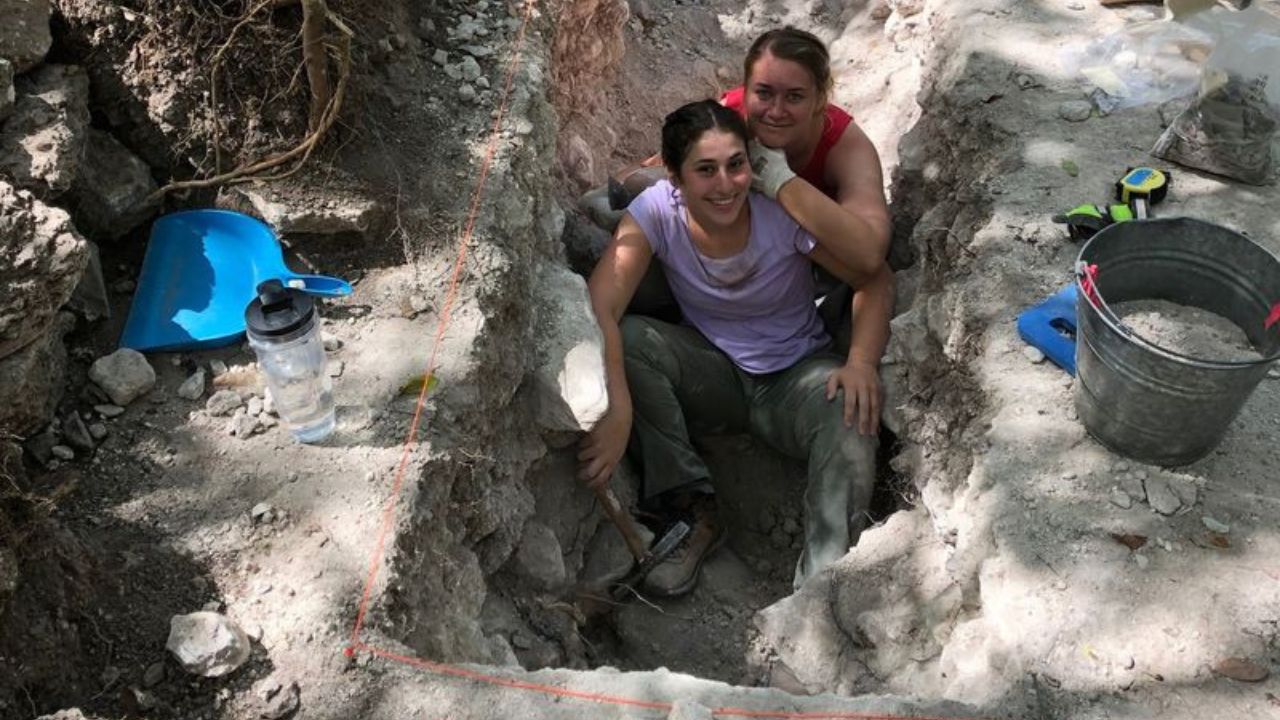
<point x="678" y="574"/>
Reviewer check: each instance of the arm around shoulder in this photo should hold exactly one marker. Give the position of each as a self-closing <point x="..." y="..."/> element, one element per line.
<point x="854" y="228"/>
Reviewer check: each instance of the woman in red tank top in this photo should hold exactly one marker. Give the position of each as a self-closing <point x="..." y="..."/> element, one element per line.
<point x="837" y="194"/>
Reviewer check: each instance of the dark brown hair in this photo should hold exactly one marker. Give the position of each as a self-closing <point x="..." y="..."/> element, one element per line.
<point x="686" y="125"/>
<point x="798" y="46"/>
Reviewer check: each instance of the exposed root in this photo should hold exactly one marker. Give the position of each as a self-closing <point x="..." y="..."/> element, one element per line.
<point x="320" y="122"/>
<point x="21" y="510"/>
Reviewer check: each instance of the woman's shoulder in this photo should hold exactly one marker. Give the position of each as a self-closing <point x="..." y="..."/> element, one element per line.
<point x="768" y="214"/>
<point x="658" y="199"/>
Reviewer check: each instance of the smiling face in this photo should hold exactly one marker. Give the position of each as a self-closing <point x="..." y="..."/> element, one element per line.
<point x="715" y="177"/>
<point x="782" y="102"/>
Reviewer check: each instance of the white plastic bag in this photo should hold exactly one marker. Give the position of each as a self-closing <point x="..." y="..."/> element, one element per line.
<point x="1146" y="63"/>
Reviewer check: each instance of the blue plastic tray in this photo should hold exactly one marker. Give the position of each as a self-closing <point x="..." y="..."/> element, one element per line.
<point x="200" y="271"/>
<point x="1051" y="327"/>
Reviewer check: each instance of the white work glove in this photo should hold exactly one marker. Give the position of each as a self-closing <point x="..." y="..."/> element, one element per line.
<point x="769" y="169"/>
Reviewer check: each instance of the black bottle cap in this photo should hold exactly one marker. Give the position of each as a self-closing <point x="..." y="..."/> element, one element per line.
<point x="279" y="310"/>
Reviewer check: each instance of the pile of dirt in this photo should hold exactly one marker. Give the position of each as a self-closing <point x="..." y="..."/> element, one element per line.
<point x="1187" y="330"/>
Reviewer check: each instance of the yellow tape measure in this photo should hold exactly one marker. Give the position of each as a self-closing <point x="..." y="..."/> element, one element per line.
<point x="1141" y="187"/>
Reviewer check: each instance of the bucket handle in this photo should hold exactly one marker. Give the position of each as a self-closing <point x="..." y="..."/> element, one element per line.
<point x="1087" y="274"/>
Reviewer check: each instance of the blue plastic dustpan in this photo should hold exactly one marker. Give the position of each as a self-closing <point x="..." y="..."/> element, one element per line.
<point x="1051" y="326"/>
<point x="200" y="271"/>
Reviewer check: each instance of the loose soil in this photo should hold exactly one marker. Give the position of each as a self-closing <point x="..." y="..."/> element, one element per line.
<point x="1186" y="330"/>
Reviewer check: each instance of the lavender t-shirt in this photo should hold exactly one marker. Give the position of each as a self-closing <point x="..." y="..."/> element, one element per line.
<point x="756" y="306"/>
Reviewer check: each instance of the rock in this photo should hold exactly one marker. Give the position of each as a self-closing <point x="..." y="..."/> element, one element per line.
<point x="154" y="674"/>
<point x="244" y="424"/>
<point x="1075" y="110"/>
<point x="217" y="367"/>
<point x="223" y="403"/>
<point x="334" y="212"/>
<point x="470" y="69"/>
<point x="569" y="379"/>
<point x="72" y="714"/>
<point x="1184" y="487"/>
<point x="1077" y="6"/>
<point x="330" y="342"/>
<point x="207" y="644"/>
<point x="97" y="431"/>
<point x="578" y="161"/>
<point x="124" y="375"/>
<point x="466" y="93"/>
<point x="335" y="368"/>
<point x="140" y="700"/>
<point x="25" y="36"/>
<point x="1241" y="670"/>
<point x="1142" y="560"/>
<point x="7" y="95"/>
<point x="1161" y="497"/>
<point x="109" y="411"/>
<point x="1120" y="498"/>
<point x="43" y="144"/>
<point x="689" y="710"/>
<point x="1216" y="525"/>
<point x="1033" y="354"/>
<point x="31" y="380"/>
<point x="583" y="241"/>
<point x="642" y="10"/>
<point x="261" y="513"/>
<point x="277" y="701"/>
<point x="40" y="446"/>
<point x="906" y="8"/>
<point x="111" y="194"/>
<point x="254" y="406"/>
<point x="42" y="258"/>
<point x="910" y="340"/>
<point x="538" y="557"/>
<point x="89" y="299"/>
<point x="193" y="387"/>
<point x="440" y="57"/>
<point x="1025" y="81"/>
<point x="64" y="453"/>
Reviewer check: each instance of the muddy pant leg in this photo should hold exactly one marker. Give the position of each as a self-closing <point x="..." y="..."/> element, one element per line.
<point x="679" y="382"/>
<point x="791" y="412"/>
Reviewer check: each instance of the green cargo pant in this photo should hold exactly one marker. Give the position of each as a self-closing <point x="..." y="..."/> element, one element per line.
<point x="681" y="384"/>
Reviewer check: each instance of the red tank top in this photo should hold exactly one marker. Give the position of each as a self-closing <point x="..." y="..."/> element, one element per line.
<point x="833" y="127"/>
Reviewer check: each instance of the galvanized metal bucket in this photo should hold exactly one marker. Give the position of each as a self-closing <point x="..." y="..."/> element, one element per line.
<point x="1142" y="400"/>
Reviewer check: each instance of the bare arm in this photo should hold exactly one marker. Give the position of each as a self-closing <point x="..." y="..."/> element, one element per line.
<point x="855" y="229"/>
<point x="860" y="376"/>
<point x="872" y="310"/>
<point x="611" y="286"/>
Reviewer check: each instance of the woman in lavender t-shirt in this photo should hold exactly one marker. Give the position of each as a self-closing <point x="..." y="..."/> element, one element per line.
<point x="750" y="356"/>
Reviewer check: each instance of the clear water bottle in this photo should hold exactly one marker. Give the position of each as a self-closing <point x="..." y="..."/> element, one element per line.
<point x="284" y="331"/>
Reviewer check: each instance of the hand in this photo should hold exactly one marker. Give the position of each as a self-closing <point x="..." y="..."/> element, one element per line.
<point x="602" y="448"/>
<point x="861" y="383"/>
<point x="769" y="169"/>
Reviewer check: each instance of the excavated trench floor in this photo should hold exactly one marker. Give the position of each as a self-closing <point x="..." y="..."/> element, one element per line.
<point x="710" y="632"/>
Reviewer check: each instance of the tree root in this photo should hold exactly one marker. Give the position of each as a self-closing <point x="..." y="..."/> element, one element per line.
<point x="324" y="107"/>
